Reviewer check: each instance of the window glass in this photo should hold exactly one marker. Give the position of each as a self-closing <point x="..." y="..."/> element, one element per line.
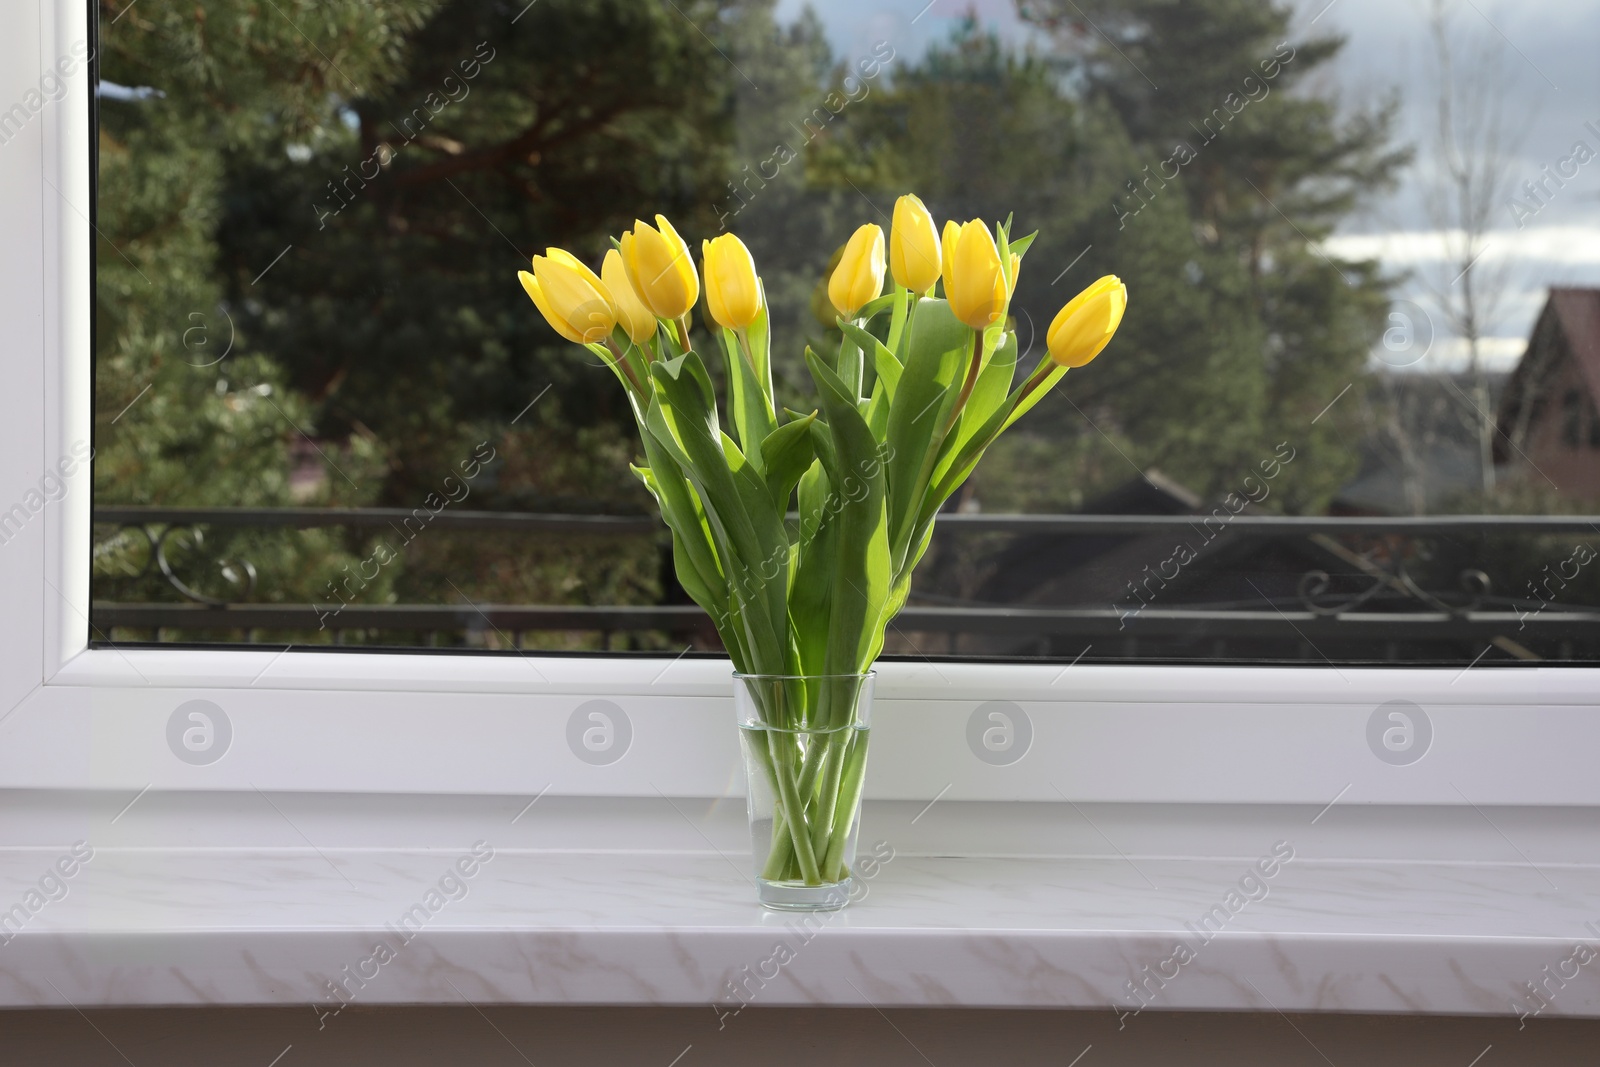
<point x="1350" y="416"/>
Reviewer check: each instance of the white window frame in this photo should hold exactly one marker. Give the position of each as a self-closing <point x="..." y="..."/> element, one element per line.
<point x="82" y="718"/>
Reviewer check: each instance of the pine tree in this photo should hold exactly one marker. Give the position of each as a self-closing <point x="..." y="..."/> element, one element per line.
<point x="1269" y="163"/>
<point x="188" y="409"/>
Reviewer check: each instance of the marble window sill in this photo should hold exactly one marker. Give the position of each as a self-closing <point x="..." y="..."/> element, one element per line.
<point x="173" y="912"/>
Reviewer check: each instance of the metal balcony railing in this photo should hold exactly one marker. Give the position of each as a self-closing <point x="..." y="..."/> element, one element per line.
<point x="1389" y="609"/>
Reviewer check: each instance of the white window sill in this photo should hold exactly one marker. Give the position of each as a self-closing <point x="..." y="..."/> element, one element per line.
<point x="209" y="899"/>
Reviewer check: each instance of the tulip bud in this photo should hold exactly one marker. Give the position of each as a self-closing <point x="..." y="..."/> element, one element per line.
<point x="570" y="296"/>
<point x="858" y="279"/>
<point x="632" y="315"/>
<point x="733" y="292"/>
<point x="914" y="246"/>
<point x="1084" y="327"/>
<point x="976" y="284"/>
<point x="947" y="254"/>
<point x="660" y="268"/>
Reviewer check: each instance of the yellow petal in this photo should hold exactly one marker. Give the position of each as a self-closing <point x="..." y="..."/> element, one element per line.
<point x="656" y="267"/>
<point x="952" y="235"/>
<point x="682" y="261"/>
<point x="559" y="324"/>
<point x="576" y="294"/>
<point x="733" y="291"/>
<point x="562" y="256"/>
<point x="1087" y="323"/>
<point x="632" y="315"/>
<point x="914" y="253"/>
<point x="858" y="279"/>
<point x="976" y="286"/>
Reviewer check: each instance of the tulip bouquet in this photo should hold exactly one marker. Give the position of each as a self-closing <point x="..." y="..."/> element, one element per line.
<point x="799" y="531"/>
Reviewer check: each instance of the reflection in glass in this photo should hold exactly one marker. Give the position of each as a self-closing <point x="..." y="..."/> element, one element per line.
<point x="1349" y="418"/>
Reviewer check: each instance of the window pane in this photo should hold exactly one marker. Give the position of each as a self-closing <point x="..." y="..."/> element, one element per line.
<point x="1350" y="416"/>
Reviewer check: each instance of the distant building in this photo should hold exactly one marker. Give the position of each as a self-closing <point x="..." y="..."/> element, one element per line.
<point x="1548" y="420"/>
<point x="1420" y="453"/>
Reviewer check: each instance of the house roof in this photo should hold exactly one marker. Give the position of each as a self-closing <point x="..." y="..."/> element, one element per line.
<point x="1439" y="470"/>
<point x="1570" y="315"/>
<point x="1579" y="313"/>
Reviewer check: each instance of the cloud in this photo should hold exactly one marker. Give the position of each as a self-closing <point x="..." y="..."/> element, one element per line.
<point x="1450" y="355"/>
<point x="1564" y="246"/>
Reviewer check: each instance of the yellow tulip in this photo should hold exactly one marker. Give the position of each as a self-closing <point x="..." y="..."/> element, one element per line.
<point x="733" y="292"/>
<point x="632" y="315"/>
<point x="858" y="279"/>
<point x="570" y="296"/>
<point x="1082" y="328"/>
<point x="914" y="246"/>
<point x="975" y="284"/>
<point x="947" y="253"/>
<point x="660" y="268"/>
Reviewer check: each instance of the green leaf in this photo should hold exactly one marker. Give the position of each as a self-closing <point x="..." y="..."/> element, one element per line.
<point x="812" y="495"/>
<point x="1026" y="404"/>
<point x="786" y="454"/>
<point x="873" y="308"/>
<point x="861" y="575"/>
<point x="849" y="364"/>
<point x="759" y="334"/>
<point x="901" y="589"/>
<point x="883" y="360"/>
<point x="810" y="594"/>
<point x="744" y="524"/>
<point x="694" y="549"/>
<point x="822" y="444"/>
<point x="1019" y="247"/>
<point x="877" y="412"/>
<point x="749" y="402"/>
<point x="966" y="458"/>
<point x="688" y="368"/>
<point x="767" y="517"/>
<point x="937" y="344"/>
<point x="605" y="356"/>
<point x="989" y="394"/>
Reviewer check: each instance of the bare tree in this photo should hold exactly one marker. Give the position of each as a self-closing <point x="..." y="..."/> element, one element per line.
<point x="1467" y="178"/>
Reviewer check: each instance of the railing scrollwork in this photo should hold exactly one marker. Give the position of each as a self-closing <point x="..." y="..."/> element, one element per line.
<point x="240" y="574"/>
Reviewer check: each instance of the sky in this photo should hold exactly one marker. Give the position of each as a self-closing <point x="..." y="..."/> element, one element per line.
<point x="1548" y="86"/>
<point x="1546" y="51"/>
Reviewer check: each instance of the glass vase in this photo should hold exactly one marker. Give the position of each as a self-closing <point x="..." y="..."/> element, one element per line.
<point x="805" y="756"/>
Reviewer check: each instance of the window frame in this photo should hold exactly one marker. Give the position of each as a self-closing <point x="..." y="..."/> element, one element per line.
<point x="75" y="717"/>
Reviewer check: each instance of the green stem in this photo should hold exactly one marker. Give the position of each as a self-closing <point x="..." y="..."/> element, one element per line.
<point x="809" y="768"/>
<point x="760" y="749"/>
<point x="789" y="799"/>
<point x="827" y="799"/>
<point x="623" y="363"/>
<point x="1046" y="366"/>
<point x="815" y="793"/>
<point x="781" y="851"/>
<point x="850" y="364"/>
<point x="897" y="319"/>
<point x="844" y="815"/>
<point x="971" y="379"/>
